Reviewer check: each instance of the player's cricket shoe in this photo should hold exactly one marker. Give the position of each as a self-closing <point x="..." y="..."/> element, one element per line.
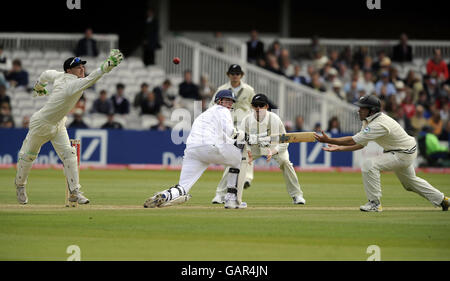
<point x="233" y="204"/>
<point x="445" y="204"/>
<point x="77" y="196"/>
<point x="21" y="195"/>
<point x="218" y="199"/>
<point x="371" y="206"/>
<point x="155" y="201"/>
<point x="299" y="200"/>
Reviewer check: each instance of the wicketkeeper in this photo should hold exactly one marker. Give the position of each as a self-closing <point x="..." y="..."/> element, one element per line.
<point x="48" y="124"/>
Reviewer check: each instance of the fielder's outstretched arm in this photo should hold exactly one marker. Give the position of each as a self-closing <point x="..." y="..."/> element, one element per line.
<point x="345" y="141"/>
<point x="332" y="147"/>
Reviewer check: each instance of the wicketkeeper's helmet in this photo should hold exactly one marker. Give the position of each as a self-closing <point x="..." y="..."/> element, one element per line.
<point x="224" y="94"/>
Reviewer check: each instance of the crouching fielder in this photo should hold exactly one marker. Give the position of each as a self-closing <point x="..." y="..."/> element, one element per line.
<point x="212" y="140"/>
<point x="400" y="150"/>
<point x="48" y="124"/>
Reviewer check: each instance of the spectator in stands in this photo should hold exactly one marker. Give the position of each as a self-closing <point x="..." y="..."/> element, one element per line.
<point x="3" y="96"/>
<point x="120" y="102"/>
<point x="160" y="126"/>
<point x="337" y="90"/>
<point x="111" y="124"/>
<point x="435" y="121"/>
<point x="163" y="95"/>
<point x="206" y="91"/>
<point x="78" y="120"/>
<point x="418" y="121"/>
<point x="150" y="105"/>
<point x="255" y="48"/>
<point x="275" y="49"/>
<point x="437" y="67"/>
<point x="333" y="59"/>
<point x="310" y="70"/>
<point x="139" y="97"/>
<point x="352" y="88"/>
<point x="384" y="82"/>
<point x="445" y="135"/>
<point x="400" y="91"/>
<point x="407" y="104"/>
<point x="413" y="82"/>
<point x="435" y="152"/>
<point x="87" y="46"/>
<point x="151" y="38"/>
<point x="315" y="47"/>
<point x="297" y="77"/>
<point x="367" y="82"/>
<point x="330" y="74"/>
<point x="317" y="128"/>
<point x="345" y="57"/>
<point x="17" y="77"/>
<point x="299" y="123"/>
<point x="359" y="56"/>
<point x="367" y="64"/>
<point x="6" y="118"/>
<point x="319" y="60"/>
<point x="391" y="106"/>
<point x="423" y="101"/>
<point x="343" y="74"/>
<point x="187" y="89"/>
<point x="381" y="54"/>
<point x="431" y="88"/>
<point x="103" y="104"/>
<point x="287" y="68"/>
<point x="272" y="65"/>
<point x="5" y="63"/>
<point x="402" y="52"/>
<point x="334" y="126"/>
<point x="26" y="122"/>
<point x="316" y="84"/>
<point x="218" y="41"/>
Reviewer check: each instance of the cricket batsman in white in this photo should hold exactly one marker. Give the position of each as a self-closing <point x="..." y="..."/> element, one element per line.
<point x="212" y="140"/>
<point x="241" y="108"/>
<point x="48" y="124"/>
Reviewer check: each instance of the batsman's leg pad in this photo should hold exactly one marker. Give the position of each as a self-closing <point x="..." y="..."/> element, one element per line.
<point x="70" y="163"/>
<point x="232" y="177"/>
<point x="23" y="167"/>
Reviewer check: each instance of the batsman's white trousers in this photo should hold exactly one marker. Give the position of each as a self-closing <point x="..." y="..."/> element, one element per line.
<point x="197" y="159"/>
<point x="38" y="134"/>
<point x="403" y="166"/>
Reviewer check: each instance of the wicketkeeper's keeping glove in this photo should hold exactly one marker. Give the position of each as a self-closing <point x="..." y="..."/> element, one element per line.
<point x="39" y="89"/>
<point x="115" y="57"/>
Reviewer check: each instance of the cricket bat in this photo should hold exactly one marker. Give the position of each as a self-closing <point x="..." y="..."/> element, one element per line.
<point x="294" y="137"/>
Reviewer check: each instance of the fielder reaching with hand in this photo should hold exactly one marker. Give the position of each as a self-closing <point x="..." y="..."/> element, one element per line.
<point x="212" y="140"/>
<point x="48" y="124"/>
<point x="400" y="151"/>
<point x="259" y="126"/>
<point x="241" y="108"/>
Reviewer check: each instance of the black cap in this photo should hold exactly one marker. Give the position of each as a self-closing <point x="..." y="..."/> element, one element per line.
<point x="235" y="68"/>
<point x="260" y="99"/>
<point x="372" y="102"/>
<point x="72" y="62"/>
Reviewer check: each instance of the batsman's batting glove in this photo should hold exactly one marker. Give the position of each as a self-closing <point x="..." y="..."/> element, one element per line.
<point x="114" y="59"/>
<point x="39" y="89"/>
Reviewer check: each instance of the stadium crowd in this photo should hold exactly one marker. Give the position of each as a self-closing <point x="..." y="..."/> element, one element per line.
<point x="418" y="101"/>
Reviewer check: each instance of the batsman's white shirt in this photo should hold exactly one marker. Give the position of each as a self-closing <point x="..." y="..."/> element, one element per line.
<point x="212" y="127"/>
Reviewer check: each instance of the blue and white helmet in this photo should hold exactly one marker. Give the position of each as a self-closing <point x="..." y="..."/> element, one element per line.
<point x="224" y="94"/>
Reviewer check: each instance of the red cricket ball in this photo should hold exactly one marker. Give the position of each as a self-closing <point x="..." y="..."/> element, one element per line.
<point x="176" y="60"/>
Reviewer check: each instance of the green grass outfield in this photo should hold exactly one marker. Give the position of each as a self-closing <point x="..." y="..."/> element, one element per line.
<point x="115" y="226"/>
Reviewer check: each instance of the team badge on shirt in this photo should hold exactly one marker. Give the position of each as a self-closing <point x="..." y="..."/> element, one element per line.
<point x="366" y="130"/>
